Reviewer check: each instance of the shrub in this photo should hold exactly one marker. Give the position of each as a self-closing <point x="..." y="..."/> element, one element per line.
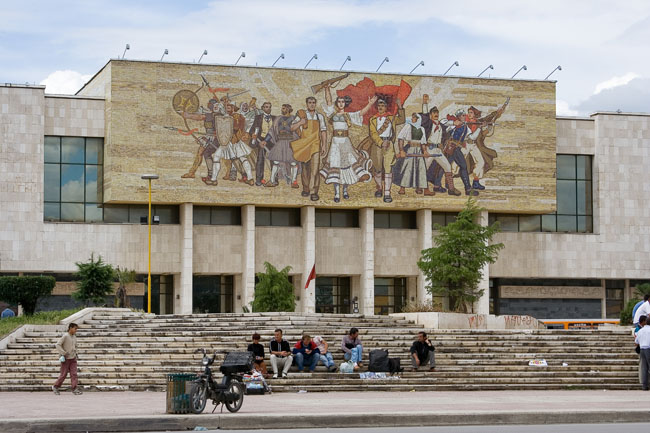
<point x="95" y="281"/>
<point x="274" y="291"/>
<point x="626" y="313"/>
<point x="26" y="290"/>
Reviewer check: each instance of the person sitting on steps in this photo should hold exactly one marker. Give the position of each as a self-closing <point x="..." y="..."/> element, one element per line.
<point x="353" y="349"/>
<point x="422" y="352"/>
<point x="258" y="355"/>
<point x="306" y="351"/>
<point x="280" y="354"/>
<point x="325" y="355"/>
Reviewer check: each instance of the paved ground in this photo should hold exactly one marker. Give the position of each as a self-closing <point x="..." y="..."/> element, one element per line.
<point x="134" y="411"/>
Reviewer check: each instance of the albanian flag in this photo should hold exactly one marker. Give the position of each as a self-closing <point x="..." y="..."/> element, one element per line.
<point x="366" y="88"/>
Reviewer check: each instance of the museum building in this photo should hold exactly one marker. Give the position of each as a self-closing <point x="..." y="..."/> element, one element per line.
<point x="568" y="191"/>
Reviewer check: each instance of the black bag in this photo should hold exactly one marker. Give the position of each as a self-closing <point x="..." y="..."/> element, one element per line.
<point x="394" y="366"/>
<point x="237" y="362"/>
<point x="379" y="361"/>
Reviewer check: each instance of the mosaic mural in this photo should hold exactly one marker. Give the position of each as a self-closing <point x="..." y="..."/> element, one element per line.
<point x="266" y="136"/>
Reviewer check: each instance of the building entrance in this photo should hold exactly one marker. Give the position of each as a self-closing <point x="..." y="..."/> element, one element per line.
<point x="333" y="295"/>
<point x="390" y="295"/>
<point x="212" y="294"/>
<point x="162" y="294"/>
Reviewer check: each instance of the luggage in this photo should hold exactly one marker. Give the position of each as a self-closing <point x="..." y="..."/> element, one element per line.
<point x="394" y="365"/>
<point x="379" y="361"/>
<point x="237" y="362"/>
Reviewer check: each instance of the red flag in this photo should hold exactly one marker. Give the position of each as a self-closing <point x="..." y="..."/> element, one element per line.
<point x="366" y="88"/>
<point x="312" y="275"/>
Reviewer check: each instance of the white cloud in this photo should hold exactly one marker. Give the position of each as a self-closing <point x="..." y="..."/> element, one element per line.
<point x="562" y="109"/>
<point x="615" y="82"/>
<point x="65" y="82"/>
<point x="631" y="97"/>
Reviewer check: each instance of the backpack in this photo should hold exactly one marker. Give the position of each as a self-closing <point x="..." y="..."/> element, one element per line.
<point x="379" y="361"/>
<point x="394" y="366"/>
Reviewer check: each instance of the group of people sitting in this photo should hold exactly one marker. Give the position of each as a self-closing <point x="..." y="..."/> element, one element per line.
<point x="310" y="351"/>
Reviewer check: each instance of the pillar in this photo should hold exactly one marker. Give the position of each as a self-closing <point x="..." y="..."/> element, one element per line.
<point x="308" y="296"/>
<point x="367" y="280"/>
<point x="183" y="284"/>
<point x="482" y="306"/>
<point x="425" y="238"/>
<point x="247" y="291"/>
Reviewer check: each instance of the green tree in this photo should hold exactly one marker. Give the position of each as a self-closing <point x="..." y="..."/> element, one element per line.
<point x="26" y="291"/>
<point x="95" y="281"/>
<point x="124" y="277"/>
<point x="626" y="314"/>
<point x="453" y="266"/>
<point x="274" y="291"/>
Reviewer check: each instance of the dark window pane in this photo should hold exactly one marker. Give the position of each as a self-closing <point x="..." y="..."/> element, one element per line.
<point x="345" y="218"/>
<point x="262" y="216"/>
<point x="91" y="184"/>
<point x="94" y="151"/>
<point x="322" y="218"/>
<point x="137" y="211"/>
<point x="548" y="223"/>
<point x="450" y="218"/>
<point x="438" y="218"/>
<point x="566" y="223"/>
<point x="52" y="179"/>
<point x="566" y="197"/>
<point x="94" y="213"/>
<point x="72" y="150"/>
<point x="116" y="214"/>
<point x="585" y="224"/>
<point x="508" y="223"/>
<point x="72" y="212"/>
<point x="566" y="167"/>
<point x="226" y="216"/>
<point x="285" y="217"/>
<point x="52" y="212"/>
<point x="402" y="220"/>
<point x="201" y="215"/>
<point x="100" y="184"/>
<point x="529" y="223"/>
<point x="583" y="163"/>
<point x="167" y="214"/>
<point x="52" y="149"/>
<point x="382" y="220"/>
<point x="72" y="183"/>
<point x="584" y="197"/>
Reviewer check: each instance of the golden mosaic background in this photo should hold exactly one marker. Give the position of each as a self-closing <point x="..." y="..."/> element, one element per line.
<point x="138" y="108"/>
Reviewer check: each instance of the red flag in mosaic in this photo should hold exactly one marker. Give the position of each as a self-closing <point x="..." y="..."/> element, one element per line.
<point x="366" y="88"/>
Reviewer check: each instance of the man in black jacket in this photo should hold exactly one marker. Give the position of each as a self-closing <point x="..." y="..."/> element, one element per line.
<point x="261" y="139"/>
<point x="422" y="352"/>
<point x="280" y="354"/>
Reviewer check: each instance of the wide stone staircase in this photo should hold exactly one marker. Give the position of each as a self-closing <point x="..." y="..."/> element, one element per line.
<point x="135" y="351"/>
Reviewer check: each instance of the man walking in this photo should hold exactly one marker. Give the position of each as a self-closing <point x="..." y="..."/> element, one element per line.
<point x="422" y="352"/>
<point x="280" y="354"/>
<point x="67" y="348"/>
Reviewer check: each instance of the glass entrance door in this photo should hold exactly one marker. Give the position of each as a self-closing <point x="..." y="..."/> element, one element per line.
<point x="212" y="294"/>
<point x="390" y="295"/>
<point x="333" y="295"/>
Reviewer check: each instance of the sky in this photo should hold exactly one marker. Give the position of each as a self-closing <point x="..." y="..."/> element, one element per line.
<point x="601" y="46"/>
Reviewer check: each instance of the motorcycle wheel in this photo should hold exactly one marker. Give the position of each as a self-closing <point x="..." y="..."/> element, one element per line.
<point x="198" y="397"/>
<point x="238" y="389"/>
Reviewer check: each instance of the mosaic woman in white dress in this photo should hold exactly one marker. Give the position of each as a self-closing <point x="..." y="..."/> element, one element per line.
<point x="345" y="165"/>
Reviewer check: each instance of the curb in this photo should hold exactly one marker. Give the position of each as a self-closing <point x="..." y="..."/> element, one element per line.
<point x="289" y="421"/>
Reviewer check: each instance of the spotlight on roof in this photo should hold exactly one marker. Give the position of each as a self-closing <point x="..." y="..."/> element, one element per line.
<point x="382" y="62"/>
<point x="243" y="54"/>
<point x="452" y="65"/>
<point x="523" y="68"/>
<point x="276" y="60"/>
<point x="347" y="59"/>
<point x="416" y="66"/>
<point x="205" y="53"/>
<point x="128" y="47"/>
<point x="164" y="54"/>
<point x="489" y="67"/>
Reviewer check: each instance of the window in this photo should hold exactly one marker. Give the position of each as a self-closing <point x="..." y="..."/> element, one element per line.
<point x="395" y="220"/>
<point x="212" y="293"/>
<point x="337" y="218"/>
<point x="217" y="215"/>
<point x="132" y="213"/>
<point x="390" y="295"/>
<point x="442" y="218"/>
<point x="277" y="216"/>
<point x="333" y="295"/>
<point x="614" y="298"/>
<point x="73" y="176"/>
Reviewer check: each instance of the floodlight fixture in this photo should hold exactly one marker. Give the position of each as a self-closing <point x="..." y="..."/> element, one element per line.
<point x="558" y="68"/>
<point x="416" y="66"/>
<point x="315" y="56"/>
<point x="243" y="54"/>
<point x="164" y="54"/>
<point x="205" y="53"/>
<point x="523" y="68"/>
<point x="382" y="62"/>
<point x="452" y="65"/>
<point x="347" y="59"/>
<point x="489" y="67"/>
<point x="128" y="47"/>
<point x="276" y="60"/>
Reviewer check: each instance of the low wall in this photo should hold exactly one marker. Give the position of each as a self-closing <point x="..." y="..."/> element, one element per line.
<point x="471" y="321"/>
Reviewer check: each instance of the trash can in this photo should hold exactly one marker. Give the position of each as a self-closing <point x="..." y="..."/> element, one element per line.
<point x="178" y="392"/>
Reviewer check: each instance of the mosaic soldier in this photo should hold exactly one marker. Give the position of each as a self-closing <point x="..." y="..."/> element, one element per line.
<point x="261" y="139"/>
<point x="471" y="150"/>
<point x="209" y="140"/>
<point x="411" y="172"/>
<point x="310" y="147"/>
<point x="345" y="165"/>
<point x="238" y="149"/>
<point x="459" y="133"/>
<point x="281" y="153"/>
<point x="382" y="151"/>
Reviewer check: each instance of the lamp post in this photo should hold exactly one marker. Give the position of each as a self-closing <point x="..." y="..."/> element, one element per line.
<point x="149" y="177"/>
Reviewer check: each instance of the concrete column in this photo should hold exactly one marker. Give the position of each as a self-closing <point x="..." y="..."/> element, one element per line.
<point x="367" y="281"/>
<point x="183" y="284"/>
<point x="482" y="306"/>
<point x="308" y="296"/>
<point x="247" y="290"/>
<point x="425" y="237"/>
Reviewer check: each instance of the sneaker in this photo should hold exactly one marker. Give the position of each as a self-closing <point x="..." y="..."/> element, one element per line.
<point x="77" y="391"/>
<point x="332" y="368"/>
<point x="55" y="390"/>
<point x="284" y="375"/>
<point x="275" y="376"/>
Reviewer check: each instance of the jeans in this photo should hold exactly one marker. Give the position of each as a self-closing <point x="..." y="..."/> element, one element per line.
<point x="354" y="354"/>
<point x="327" y="360"/>
<point x="311" y="360"/>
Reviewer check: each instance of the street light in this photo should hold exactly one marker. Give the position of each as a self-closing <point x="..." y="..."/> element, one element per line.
<point x="149" y="177"/>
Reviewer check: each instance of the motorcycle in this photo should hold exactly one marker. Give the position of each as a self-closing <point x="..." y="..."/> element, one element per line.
<point x="229" y="393"/>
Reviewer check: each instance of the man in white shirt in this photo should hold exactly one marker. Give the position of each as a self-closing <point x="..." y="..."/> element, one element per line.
<point x="643" y="341"/>
<point x="643" y="310"/>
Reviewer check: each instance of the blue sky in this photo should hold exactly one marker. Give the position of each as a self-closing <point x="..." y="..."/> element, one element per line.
<point x="601" y="45"/>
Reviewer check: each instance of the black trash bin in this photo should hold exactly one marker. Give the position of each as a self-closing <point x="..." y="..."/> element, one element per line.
<point x="178" y="392"/>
